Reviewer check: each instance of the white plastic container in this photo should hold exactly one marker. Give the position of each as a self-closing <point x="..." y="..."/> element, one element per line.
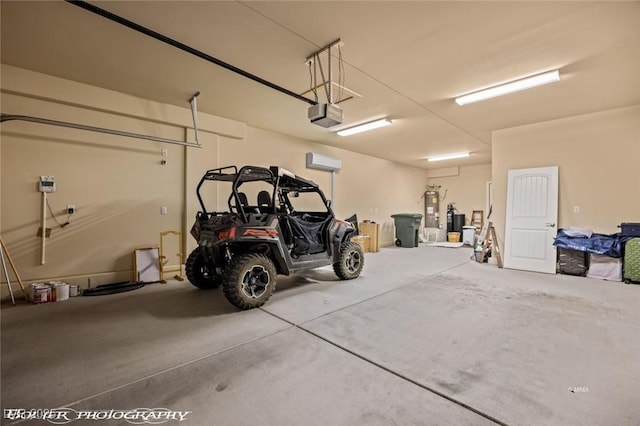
<point x="62" y="292"/>
<point x="39" y="293"/>
<point x="59" y="291"/>
<point x="469" y="235"/>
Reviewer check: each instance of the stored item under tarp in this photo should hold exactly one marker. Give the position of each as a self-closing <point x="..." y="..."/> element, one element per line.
<point x="608" y="245"/>
<point x="572" y="262"/>
<point x="604" y="267"/>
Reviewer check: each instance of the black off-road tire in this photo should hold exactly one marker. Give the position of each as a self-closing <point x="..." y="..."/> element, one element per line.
<point x="198" y="272"/>
<point x="350" y="261"/>
<point x="249" y="281"/>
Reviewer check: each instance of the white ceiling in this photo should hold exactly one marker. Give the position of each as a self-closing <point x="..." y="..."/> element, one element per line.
<point x="408" y="60"/>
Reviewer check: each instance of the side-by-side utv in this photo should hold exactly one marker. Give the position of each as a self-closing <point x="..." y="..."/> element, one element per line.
<point x="289" y="226"/>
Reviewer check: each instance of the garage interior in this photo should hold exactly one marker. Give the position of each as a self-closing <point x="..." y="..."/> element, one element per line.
<point x="426" y="334"/>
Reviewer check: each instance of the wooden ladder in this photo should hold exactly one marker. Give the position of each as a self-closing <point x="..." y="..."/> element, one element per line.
<point x="164" y="260"/>
<point x="489" y="233"/>
<point x="3" y="250"/>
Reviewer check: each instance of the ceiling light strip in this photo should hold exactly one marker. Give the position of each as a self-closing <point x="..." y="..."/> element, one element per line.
<point x="364" y="127"/>
<point x="513" y="86"/>
<point x="448" y="156"/>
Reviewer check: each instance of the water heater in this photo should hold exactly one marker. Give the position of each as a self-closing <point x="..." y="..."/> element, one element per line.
<point x="432" y="209"/>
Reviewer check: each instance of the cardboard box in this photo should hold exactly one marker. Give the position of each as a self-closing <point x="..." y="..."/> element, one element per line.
<point x="362" y="241"/>
<point x="373" y="231"/>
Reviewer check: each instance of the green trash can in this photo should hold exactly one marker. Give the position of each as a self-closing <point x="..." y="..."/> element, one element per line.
<point x="407" y="228"/>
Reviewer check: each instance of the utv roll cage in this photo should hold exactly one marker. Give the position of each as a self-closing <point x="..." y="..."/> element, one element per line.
<point x="282" y="181"/>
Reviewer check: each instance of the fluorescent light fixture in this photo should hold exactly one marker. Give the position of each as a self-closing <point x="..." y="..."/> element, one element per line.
<point x="364" y="127"/>
<point x="513" y="86"/>
<point x="448" y="156"/>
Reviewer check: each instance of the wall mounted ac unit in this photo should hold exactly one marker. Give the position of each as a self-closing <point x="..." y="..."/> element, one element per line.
<point x="323" y="162"/>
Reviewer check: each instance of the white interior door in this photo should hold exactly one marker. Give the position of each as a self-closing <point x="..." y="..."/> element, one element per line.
<point x="532" y="217"/>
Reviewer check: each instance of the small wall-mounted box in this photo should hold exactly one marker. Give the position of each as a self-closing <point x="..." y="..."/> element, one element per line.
<point x="47" y="184"/>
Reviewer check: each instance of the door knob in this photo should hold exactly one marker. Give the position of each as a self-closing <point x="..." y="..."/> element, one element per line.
<point x="550" y="225"/>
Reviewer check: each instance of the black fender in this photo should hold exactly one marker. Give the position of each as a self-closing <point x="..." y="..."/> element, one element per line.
<point x="341" y="231"/>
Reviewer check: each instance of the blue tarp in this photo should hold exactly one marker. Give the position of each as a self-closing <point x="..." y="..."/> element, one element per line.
<point x="608" y="245"/>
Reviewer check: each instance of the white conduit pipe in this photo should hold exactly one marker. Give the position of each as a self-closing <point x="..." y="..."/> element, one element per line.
<point x="44" y="227"/>
<point x="10" y="117"/>
<point x="194" y="114"/>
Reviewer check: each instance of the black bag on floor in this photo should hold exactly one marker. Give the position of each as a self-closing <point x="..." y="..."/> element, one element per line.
<point x="573" y="262"/>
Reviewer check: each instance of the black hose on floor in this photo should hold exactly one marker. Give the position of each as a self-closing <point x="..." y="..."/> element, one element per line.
<point x="114" y="288"/>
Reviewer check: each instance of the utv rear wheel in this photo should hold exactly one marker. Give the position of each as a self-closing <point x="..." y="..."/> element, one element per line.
<point x="350" y="261"/>
<point x="249" y="281"/>
<point x="199" y="273"/>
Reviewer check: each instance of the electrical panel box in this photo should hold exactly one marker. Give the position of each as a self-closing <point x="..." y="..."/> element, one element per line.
<point x="47" y="184"/>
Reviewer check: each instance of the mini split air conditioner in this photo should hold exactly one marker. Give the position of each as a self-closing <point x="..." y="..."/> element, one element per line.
<point x="323" y="162"/>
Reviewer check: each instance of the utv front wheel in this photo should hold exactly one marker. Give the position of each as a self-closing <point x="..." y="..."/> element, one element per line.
<point x="199" y="273"/>
<point x="249" y="281"/>
<point x="350" y="261"/>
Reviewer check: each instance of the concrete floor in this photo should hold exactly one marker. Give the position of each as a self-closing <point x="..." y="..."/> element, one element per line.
<point x="424" y="337"/>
